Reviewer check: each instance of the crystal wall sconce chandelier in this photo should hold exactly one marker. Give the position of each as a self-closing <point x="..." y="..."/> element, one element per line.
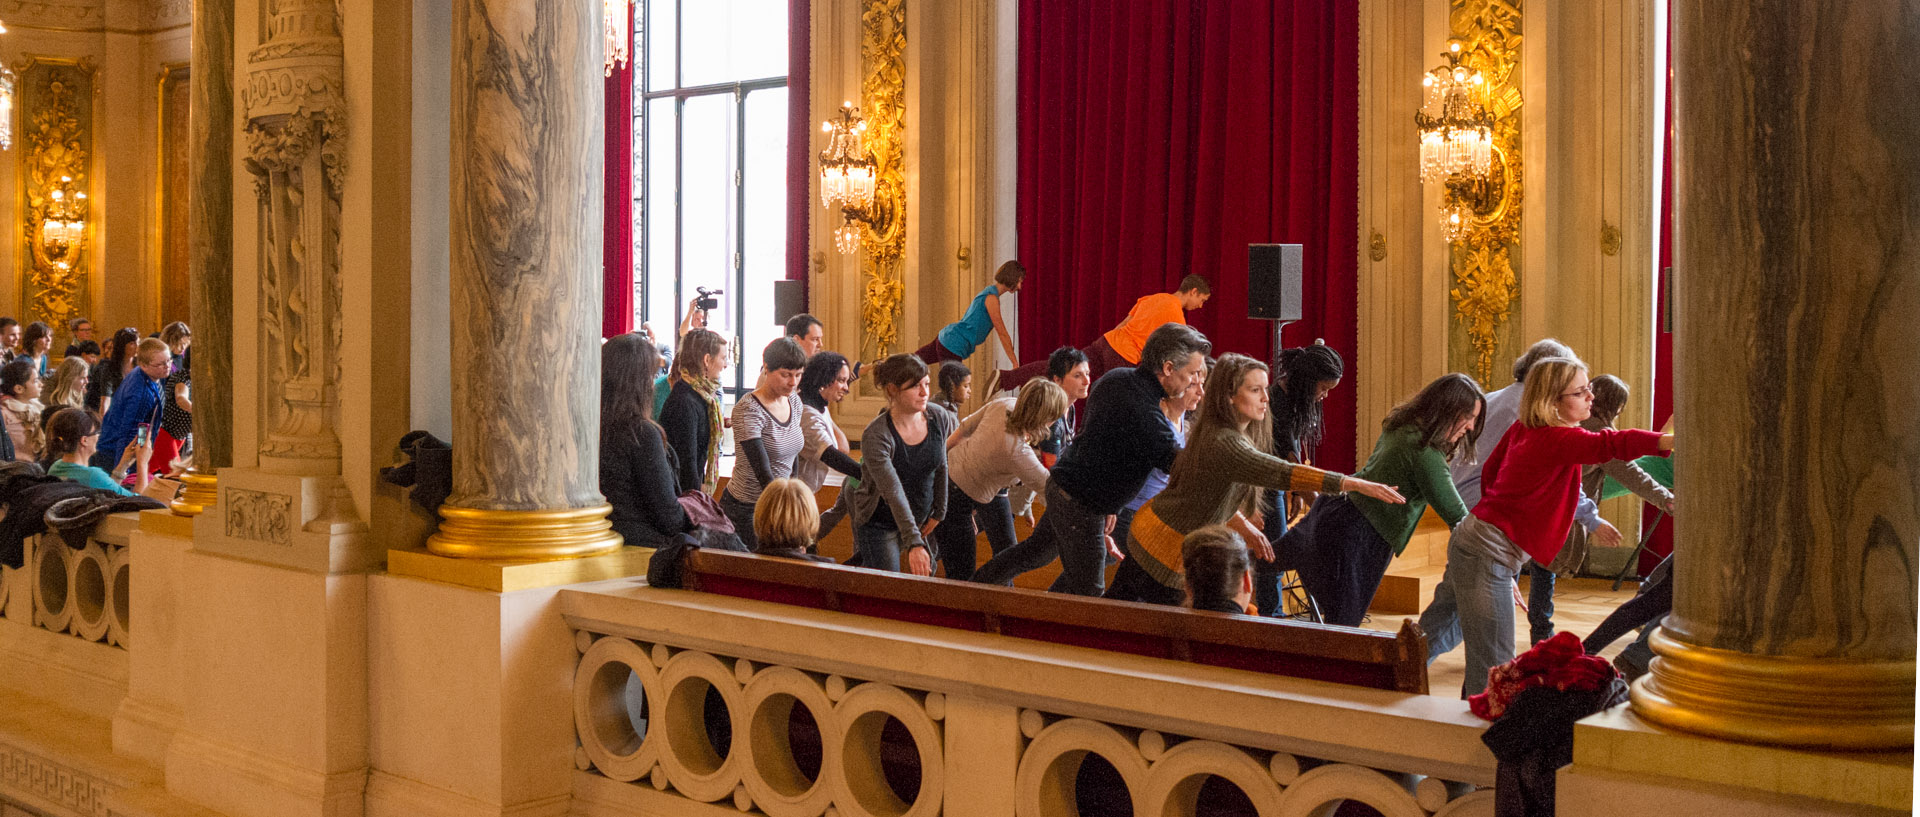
<point x="1457" y="144"/>
<point x="847" y="176"/>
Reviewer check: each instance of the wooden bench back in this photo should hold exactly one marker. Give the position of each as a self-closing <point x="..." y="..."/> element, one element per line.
<point x="1342" y="655"/>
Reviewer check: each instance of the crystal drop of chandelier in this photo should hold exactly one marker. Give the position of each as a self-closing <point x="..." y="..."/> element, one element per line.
<point x="1456" y="131"/>
<point x="619" y="35"/>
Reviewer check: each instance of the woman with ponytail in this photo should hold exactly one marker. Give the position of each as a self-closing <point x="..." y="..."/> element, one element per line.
<point x="1307" y="374"/>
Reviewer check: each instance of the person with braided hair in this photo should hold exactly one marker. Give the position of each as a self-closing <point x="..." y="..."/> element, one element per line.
<point x="1307" y="374"/>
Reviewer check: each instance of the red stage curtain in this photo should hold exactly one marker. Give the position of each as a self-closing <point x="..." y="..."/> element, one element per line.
<point x="616" y="264"/>
<point x="1163" y="141"/>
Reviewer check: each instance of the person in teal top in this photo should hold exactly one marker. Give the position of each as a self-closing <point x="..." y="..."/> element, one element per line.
<point x="982" y="318"/>
<point x="72" y="436"/>
<point x="1341" y="549"/>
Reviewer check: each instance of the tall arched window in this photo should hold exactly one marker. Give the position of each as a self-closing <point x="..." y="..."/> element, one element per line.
<point x="709" y="188"/>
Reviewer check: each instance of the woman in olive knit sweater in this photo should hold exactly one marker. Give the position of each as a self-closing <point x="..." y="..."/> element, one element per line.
<point x="1342" y="548"/>
<point x="1215" y="479"/>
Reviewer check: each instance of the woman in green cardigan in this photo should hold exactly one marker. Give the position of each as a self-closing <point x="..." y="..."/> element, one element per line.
<point x="1342" y="548"/>
<point x="1217" y="477"/>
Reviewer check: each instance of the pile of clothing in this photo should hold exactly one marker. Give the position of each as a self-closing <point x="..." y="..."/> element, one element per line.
<point x="1534" y="701"/>
<point x="36" y="502"/>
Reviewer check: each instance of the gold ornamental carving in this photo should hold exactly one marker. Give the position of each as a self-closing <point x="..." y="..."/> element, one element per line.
<point x="1484" y="284"/>
<point x="1609" y="238"/>
<point x="56" y="103"/>
<point x="883" y="99"/>
<point x="1377" y="247"/>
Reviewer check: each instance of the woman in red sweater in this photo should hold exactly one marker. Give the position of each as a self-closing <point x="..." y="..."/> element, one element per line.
<point x="1530" y="486"/>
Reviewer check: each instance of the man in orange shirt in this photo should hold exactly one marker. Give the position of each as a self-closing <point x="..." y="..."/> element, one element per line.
<point x="1121" y="346"/>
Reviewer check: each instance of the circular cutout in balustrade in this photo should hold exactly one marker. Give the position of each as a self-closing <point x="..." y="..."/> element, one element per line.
<point x="50" y="607"/>
<point x="613" y="690"/>
<point x="1323" y="790"/>
<point x="792" y="737"/>
<point x="891" y="755"/>
<point x="1207" y="777"/>
<point x="1080" y="767"/>
<point x="702" y="703"/>
<point x="119" y="597"/>
<point x="87" y="571"/>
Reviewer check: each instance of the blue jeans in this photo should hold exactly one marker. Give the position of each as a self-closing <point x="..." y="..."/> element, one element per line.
<point x="1539" y="601"/>
<point x="1069" y="530"/>
<point x="1474" y="602"/>
<point x="878" y="546"/>
<point x="1266" y="575"/>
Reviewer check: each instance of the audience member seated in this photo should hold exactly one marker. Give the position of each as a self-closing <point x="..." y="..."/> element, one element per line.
<point x="691" y="415"/>
<point x="1341" y="549"/>
<point x="1218" y="569"/>
<point x="110" y="370"/>
<point x="785" y="521"/>
<point x="767" y="433"/>
<point x="636" y="467"/>
<point x="176" y="408"/>
<point x="87" y="351"/>
<point x="902" y="493"/>
<point x="35" y="345"/>
<point x="991" y="451"/>
<point x="72" y="437"/>
<point x="81" y="329"/>
<point x="20" y="403"/>
<point x="135" y="404"/>
<point x="68" y="388"/>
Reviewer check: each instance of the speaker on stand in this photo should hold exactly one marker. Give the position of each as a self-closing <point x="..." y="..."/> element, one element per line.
<point x="1273" y="288"/>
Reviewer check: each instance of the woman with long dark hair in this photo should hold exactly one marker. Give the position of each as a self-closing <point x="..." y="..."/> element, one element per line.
<point x="902" y="495"/>
<point x="1341" y="549"/>
<point x="1217" y="477"/>
<point x="36" y="344"/>
<point x="636" y="467"/>
<point x="1307" y="374"/>
<point x="111" y="369"/>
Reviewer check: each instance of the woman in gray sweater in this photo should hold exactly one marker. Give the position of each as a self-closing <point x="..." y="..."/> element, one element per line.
<point x="902" y="493"/>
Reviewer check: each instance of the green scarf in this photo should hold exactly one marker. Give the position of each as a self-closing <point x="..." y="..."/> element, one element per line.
<point x="709" y="389"/>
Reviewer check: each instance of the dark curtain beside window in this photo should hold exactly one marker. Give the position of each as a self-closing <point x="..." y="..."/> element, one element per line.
<point x="1162" y="141"/>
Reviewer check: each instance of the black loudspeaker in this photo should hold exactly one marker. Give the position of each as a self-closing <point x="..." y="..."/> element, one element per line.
<point x="789" y="299"/>
<point x="1273" y="282"/>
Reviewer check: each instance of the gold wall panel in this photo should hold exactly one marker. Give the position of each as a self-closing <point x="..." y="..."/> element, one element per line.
<point x="1486" y="291"/>
<point x="883" y="101"/>
<point x="55" y="103"/>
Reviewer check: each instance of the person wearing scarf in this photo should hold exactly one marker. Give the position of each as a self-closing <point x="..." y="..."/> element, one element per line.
<point x="691" y="416"/>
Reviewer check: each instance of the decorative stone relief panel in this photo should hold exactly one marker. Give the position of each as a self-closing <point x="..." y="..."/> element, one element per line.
<point x="296" y="141"/>
<point x="49" y="780"/>
<point x="258" y="515"/>
<point x="56" y="110"/>
<point x="167" y="13"/>
<point x="56" y="13"/>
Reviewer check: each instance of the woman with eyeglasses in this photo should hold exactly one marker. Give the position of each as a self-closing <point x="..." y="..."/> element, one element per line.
<point x="1529" y="485"/>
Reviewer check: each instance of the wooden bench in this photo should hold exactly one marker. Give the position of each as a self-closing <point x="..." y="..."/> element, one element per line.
<point x="1341" y="655"/>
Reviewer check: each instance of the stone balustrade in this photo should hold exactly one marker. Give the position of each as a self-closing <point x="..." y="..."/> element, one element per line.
<point x="83" y="592"/>
<point x="688" y="703"/>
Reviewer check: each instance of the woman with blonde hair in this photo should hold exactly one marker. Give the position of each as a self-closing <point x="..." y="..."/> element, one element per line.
<point x="69" y="385"/>
<point x="1529" y="485"/>
<point x="786" y="520"/>
<point x="1216" y="480"/>
<point x="992" y="450"/>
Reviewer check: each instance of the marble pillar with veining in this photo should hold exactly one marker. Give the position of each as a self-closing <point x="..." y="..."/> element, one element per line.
<point x="1798" y="352"/>
<point x="210" y="233"/>
<point x="527" y="161"/>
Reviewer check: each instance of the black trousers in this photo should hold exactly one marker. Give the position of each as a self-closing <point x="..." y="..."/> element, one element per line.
<point x="1340" y="559"/>
<point x="966" y="519"/>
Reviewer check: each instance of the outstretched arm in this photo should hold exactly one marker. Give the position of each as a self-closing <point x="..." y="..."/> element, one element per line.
<point x="1000" y="328"/>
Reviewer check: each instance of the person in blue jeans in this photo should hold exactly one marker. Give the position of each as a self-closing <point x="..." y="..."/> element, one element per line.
<point x="137" y="401"/>
<point x="72" y="437"/>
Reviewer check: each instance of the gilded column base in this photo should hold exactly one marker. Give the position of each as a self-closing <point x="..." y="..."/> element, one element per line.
<point x="1779" y="700"/>
<point x="198" y="492"/>
<point x="524" y="536"/>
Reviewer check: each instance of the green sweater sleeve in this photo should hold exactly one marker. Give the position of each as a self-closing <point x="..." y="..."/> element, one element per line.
<point x="1432" y="479"/>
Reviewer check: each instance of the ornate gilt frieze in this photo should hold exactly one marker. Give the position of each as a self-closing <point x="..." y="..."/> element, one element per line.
<point x="1485" y="287"/>
<point x="56" y="106"/>
<point x="296" y="142"/>
<point x="883" y="100"/>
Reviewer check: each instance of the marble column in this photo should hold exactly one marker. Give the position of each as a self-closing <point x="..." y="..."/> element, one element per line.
<point x="210" y="234"/>
<point x="1798" y="198"/>
<point x="527" y="161"/>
